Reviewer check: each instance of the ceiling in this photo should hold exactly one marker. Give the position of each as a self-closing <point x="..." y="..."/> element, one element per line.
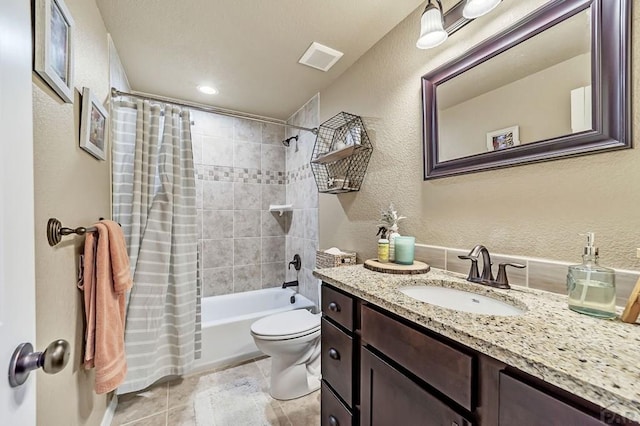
<point x="247" y="49"/>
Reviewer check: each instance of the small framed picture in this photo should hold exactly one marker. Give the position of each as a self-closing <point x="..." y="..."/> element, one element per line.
<point x="54" y="46"/>
<point x="503" y="138"/>
<point x="93" y="125"/>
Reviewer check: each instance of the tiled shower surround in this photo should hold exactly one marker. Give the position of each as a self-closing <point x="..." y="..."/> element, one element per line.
<point x="242" y="167"/>
<point x="302" y="192"/>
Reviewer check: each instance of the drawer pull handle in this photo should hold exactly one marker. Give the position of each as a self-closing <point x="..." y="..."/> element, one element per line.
<point x="333" y="354"/>
<point x="333" y="421"/>
<point x="334" y="307"/>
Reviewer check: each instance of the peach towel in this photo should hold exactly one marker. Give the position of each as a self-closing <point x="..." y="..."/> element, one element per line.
<point x="105" y="281"/>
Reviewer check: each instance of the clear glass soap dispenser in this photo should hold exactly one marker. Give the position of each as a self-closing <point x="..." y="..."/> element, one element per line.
<point x="592" y="288"/>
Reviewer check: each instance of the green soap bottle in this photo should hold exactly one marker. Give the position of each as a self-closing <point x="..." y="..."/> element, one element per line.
<point x="592" y="288"/>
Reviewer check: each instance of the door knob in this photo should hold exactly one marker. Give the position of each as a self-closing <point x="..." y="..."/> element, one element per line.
<point x="54" y="358"/>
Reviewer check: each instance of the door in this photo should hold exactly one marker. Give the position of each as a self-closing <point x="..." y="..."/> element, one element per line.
<point x="17" y="269"/>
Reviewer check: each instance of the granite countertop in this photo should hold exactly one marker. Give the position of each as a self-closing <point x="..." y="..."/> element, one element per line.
<point x="593" y="358"/>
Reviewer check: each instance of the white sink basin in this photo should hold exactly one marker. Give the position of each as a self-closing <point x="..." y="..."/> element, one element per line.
<point x="461" y="300"/>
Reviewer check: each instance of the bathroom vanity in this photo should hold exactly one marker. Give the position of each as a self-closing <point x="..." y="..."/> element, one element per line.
<point x="389" y="359"/>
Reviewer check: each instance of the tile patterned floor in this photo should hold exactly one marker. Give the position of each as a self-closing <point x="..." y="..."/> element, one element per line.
<point x="241" y="390"/>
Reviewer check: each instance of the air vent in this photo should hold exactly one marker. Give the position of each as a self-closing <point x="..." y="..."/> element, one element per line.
<point x="320" y="57"/>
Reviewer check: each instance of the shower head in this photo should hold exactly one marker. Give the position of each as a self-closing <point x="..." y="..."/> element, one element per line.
<point x="287" y="141"/>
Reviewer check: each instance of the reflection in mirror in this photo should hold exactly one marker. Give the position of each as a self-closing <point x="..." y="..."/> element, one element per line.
<point x="529" y="93"/>
<point x="555" y="84"/>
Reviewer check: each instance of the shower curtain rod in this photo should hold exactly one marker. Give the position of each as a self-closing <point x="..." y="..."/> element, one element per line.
<point x="201" y="107"/>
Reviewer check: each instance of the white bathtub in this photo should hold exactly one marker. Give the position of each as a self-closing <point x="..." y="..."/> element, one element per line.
<point x="226" y="323"/>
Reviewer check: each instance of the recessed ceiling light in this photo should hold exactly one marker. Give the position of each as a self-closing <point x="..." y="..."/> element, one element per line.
<point x="208" y="90"/>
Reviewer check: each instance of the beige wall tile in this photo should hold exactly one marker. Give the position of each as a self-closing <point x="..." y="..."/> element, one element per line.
<point x="548" y="276"/>
<point x="433" y="256"/>
<point x="625" y="283"/>
<point x="455" y="264"/>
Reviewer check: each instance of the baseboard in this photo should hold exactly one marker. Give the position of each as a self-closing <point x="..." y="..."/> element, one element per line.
<point x="111" y="411"/>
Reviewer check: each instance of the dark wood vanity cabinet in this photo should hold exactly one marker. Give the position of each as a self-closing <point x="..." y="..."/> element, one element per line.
<point x="380" y="369"/>
<point x="339" y="358"/>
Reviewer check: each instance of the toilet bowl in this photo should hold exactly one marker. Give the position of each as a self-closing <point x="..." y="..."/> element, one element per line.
<point x="292" y="339"/>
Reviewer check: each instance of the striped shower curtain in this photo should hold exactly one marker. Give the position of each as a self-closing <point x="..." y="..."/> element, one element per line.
<point x="154" y="199"/>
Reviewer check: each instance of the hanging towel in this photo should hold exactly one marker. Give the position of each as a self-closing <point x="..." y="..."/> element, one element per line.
<point x="105" y="281"/>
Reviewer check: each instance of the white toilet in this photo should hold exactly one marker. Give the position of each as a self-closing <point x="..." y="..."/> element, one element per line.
<point x="292" y="339"/>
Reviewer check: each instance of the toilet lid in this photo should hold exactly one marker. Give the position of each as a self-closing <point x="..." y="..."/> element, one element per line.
<point x="286" y="323"/>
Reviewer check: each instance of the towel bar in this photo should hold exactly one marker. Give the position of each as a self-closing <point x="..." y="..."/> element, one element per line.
<point x="55" y="231"/>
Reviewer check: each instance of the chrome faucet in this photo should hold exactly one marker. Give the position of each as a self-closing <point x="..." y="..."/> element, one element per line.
<point x="487" y="274"/>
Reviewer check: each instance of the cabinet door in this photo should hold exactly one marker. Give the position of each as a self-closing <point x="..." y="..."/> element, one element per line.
<point x="523" y="405"/>
<point x="391" y="398"/>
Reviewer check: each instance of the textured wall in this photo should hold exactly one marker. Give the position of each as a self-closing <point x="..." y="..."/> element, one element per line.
<point x="302" y="192"/>
<point x="533" y="210"/>
<point x="73" y="186"/>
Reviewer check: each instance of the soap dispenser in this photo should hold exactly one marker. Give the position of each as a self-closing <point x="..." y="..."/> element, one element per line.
<point x="592" y="288"/>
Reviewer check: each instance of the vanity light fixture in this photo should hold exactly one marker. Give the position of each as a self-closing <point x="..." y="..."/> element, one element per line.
<point x="436" y="25"/>
<point x="432" y="32"/>
<point x="476" y="8"/>
<point x="208" y="90"/>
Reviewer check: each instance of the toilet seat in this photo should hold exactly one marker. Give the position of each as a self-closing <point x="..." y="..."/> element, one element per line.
<point x="286" y="325"/>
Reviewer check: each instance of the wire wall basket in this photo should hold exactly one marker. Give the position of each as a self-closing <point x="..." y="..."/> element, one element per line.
<point x="341" y="154"/>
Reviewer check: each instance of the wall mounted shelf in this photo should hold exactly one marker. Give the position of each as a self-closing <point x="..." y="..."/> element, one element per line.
<point x="336" y="155"/>
<point x="341" y="154"/>
<point x="280" y="208"/>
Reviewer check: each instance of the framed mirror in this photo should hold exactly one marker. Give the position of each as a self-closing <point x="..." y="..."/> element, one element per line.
<point x="555" y="84"/>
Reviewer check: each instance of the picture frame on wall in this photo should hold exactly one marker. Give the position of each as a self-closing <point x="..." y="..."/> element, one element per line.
<point x="53" y="53"/>
<point x="93" y="125"/>
<point x="503" y="138"/>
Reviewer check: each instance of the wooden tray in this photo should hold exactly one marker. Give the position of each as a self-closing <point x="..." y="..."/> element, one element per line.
<point x="395" y="268"/>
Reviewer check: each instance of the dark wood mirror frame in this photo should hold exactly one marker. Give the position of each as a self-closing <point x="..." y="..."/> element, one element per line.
<point x="610" y="75"/>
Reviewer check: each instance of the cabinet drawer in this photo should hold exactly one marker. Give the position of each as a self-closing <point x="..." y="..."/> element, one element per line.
<point x="338" y="307"/>
<point x="523" y="405"/>
<point x="332" y="411"/>
<point x="337" y="360"/>
<point x="443" y="367"/>
<point x="391" y="398"/>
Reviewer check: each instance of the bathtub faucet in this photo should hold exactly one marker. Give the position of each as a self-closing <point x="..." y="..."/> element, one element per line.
<point x="292" y="299"/>
<point x="290" y="284"/>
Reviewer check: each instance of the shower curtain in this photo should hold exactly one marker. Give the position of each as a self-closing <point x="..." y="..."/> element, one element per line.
<point x="154" y="200"/>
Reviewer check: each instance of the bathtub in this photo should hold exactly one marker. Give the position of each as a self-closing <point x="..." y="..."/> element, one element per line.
<point x="226" y="323"/>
